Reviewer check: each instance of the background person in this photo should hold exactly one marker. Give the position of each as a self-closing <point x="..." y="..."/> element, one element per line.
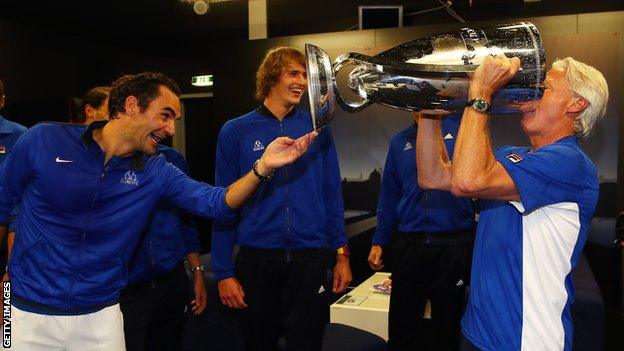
<point x="9" y="133"/>
<point x="91" y="107"/>
<point x="432" y="233"/>
<point x="280" y="274"/>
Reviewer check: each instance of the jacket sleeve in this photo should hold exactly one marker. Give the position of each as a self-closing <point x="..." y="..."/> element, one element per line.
<point x="188" y="226"/>
<point x="17" y="171"/>
<point x="332" y="193"/>
<point x="224" y="231"/>
<point x="389" y="197"/>
<point x="195" y="197"/>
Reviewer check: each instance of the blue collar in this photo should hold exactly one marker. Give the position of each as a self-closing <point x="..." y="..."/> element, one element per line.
<point x="263" y="110"/>
<point x="5" y="127"/>
<point x="570" y="139"/>
<point x="136" y="161"/>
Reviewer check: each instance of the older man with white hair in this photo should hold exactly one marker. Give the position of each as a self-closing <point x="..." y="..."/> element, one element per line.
<point x="537" y="208"/>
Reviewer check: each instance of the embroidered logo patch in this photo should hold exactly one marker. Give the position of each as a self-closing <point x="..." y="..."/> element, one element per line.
<point x="448" y="136"/>
<point x="258" y="146"/>
<point x="408" y="146"/>
<point x="2" y="149"/>
<point x="130" y="178"/>
<point x="515" y="158"/>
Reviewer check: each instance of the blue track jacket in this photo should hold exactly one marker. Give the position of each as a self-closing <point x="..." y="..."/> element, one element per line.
<point x="9" y="133"/>
<point x="80" y="219"/>
<point x="169" y="236"/>
<point x="301" y="207"/>
<point x="403" y="205"/>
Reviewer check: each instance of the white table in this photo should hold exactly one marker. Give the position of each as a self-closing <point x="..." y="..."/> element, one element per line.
<point x="364" y="308"/>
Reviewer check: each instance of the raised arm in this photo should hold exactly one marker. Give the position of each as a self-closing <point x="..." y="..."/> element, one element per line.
<point x="432" y="161"/>
<point x="475" y="171"/>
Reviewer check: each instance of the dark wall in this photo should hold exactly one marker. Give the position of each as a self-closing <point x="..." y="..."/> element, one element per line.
<point x="41" y="69"/>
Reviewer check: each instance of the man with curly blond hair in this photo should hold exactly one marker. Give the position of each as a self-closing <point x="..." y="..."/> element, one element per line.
<point x="279" y="279"/>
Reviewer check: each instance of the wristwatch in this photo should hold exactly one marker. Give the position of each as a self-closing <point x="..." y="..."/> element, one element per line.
<point x="263" y="178"/>
<point x="197" y="269"/>
<point x="343" y="250"/>
<point x="480" y="105"/>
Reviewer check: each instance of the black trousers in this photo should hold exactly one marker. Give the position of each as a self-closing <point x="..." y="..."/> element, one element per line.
<point x="153" y="312"/>
<point x="434" y="271"/>
<point x="287" y="295"/>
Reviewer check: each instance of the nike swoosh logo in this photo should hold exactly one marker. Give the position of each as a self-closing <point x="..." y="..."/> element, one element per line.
<point x="60" y="160"/>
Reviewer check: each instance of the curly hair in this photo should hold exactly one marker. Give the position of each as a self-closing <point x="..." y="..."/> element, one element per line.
<point x="272" y="66"/>
<point x="144" y="86"/>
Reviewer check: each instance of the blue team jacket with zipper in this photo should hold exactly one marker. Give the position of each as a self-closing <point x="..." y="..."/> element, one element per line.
<point x="9" y="133"/>
<point x="168" y="237"/>
<point x="404" y="206"/>
<point x="300" y="208"/>
<point x="80" y="219"/>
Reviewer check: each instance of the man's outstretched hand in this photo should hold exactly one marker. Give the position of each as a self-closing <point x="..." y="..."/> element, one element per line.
<point x="283" y="151"/>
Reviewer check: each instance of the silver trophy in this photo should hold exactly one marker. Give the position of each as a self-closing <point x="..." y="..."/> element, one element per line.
<point x="428" y="74"/>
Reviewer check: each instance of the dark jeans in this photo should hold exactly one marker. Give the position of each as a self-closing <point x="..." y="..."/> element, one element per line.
<point x="287" y="296"/>
<point x="153" y="312"/>
<point x="438" y="272"/>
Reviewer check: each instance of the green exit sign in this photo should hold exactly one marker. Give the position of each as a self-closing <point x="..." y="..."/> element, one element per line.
<point x="202" y="81"/>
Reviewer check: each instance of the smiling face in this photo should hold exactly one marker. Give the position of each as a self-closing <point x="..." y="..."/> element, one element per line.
<point x="291" y="85"/>
<point x="156" y="122"/>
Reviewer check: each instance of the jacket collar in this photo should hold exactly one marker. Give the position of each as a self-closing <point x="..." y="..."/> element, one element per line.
<point x="263" y="110"/>
<point x="136" y="161"/>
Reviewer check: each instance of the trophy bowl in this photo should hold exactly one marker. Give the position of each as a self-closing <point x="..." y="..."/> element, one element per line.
<point x="430" y="74"/>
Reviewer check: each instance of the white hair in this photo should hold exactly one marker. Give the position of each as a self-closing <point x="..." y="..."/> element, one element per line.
<point x="588" y="83"/>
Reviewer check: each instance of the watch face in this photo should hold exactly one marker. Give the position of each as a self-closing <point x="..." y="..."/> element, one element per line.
<point x="481" y="105"/>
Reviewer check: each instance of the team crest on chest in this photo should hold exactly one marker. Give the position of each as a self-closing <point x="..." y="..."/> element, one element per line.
<point x="2" y="149"/>
<point x="258" y="146"/>
<point x="130" y="178"/>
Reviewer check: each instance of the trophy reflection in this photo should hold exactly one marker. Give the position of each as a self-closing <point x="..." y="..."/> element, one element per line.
<point x="429" y="74"/>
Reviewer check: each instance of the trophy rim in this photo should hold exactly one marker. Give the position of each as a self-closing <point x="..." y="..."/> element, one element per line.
<point x="320" y="117"/>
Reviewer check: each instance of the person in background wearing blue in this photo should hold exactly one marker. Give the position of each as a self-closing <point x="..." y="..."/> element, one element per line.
<point x="536" y="203"/>
<point x="86" y="195"/>
<point x="155" y="300"/>
<point x="9" y="133"/>
<point x="280" y="275"/>
<point x="432" y="234"/>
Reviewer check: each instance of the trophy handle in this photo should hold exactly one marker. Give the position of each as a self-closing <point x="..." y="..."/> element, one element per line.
<point x="405" y="69"/>
<point x="342" y="61"/>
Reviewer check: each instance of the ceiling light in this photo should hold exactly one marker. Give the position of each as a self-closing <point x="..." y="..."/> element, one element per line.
<point x="201" y="7"/>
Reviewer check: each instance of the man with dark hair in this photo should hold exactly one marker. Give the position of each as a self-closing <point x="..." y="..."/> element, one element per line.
<point x="280" y="275"/>
<point x="9" y="133"/>
<point x="92" y="106"/>
<point x="86" y="194"/>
